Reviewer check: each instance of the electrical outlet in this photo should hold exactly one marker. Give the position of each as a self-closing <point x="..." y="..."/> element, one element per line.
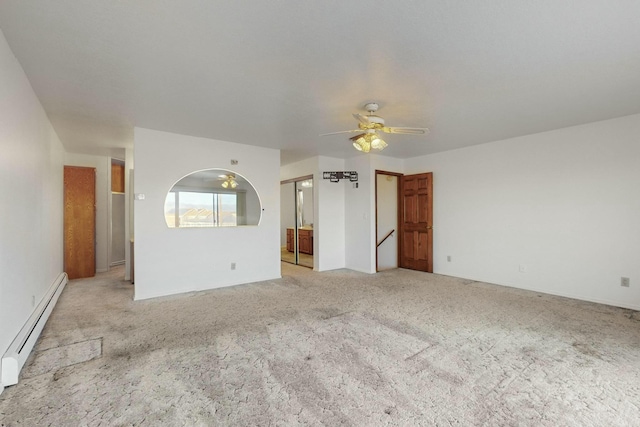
<point x="624" y="281"/>
<point x="448" y="258"/>
<point x="233" y="265"/>
<point x="522" y="268"/>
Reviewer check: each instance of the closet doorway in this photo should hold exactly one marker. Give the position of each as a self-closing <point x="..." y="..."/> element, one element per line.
<point x="296" y="221"/>
<point x="118" y="217"/>
<point x="79" y="222"/>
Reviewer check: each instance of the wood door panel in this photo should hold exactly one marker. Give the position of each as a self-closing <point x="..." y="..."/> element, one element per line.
<point x="117" y="178"/>
<point x="417" y="215"/>
<point x="410" y="210"/>
<point x="408" y="244"/>
<point x="410" y="184"/>
<point x="79" y="221"/>
<point x="422" y="211"/>
<point x="422" y="247"/>
<point x="422" y="183"/>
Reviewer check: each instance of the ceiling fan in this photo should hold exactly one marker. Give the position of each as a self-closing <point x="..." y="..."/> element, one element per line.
<point x="368" y="127"/>
<point x="229" y="180"/>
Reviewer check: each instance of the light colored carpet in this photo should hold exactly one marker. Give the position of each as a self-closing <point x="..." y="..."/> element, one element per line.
<point x="399" y="348"/>
<point x="52" y="359"/>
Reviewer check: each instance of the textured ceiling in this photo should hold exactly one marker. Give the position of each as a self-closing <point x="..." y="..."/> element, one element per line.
<point x="279" y="73"/>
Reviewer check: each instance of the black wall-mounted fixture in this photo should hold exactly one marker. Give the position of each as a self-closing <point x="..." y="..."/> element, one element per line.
<point x="337" y="176"/>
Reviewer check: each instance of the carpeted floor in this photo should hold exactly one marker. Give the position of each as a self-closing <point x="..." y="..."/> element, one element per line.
<point x="399" y="348"/>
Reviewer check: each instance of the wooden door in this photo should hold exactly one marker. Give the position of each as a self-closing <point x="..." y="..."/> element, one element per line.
<point x="79" y="221"/>
<point x="117" y="178"/>
<point x="416" y="237"/>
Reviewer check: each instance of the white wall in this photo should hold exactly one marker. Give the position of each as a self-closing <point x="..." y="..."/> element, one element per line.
<point x="103" y="194"/>
<point x="170" y="261"/>
<point x="31" y="180"/>
<point x="359" y="216"/>
<point x="329" y="216"/>
<point x="565" y="204"/>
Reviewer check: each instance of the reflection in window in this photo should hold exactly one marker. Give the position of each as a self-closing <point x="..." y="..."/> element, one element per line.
<point x="212" y="198"/>
<point x="201" y="209"/>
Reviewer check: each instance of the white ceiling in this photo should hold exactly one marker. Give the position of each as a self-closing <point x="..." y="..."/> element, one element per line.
<point x="279" y="73"/>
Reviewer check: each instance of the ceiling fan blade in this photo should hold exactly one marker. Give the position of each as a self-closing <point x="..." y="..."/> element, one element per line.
<point x="362" y="119"/>
<point x="353" y="138"/>
<point x="406" y="131"/>
<point x="342" y="131"/>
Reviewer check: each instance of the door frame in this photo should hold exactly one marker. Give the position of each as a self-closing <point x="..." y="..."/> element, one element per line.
<point x="295" y="234"/>
<point x="114" y="160"/>
<point x="398" y="184"/>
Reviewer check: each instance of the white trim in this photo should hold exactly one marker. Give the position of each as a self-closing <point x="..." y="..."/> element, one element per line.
<point x="19" y="350"/>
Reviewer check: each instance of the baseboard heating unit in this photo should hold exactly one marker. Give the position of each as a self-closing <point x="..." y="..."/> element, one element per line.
<point x="19" y="350"/>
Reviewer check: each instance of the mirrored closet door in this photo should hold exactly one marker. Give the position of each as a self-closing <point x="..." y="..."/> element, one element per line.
<point x="296" y="223"/>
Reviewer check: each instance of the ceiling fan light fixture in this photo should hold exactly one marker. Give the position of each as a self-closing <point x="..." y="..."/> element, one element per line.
<point x="357" y="143"/>
<point x="230" y="181"/>
<point x="362" y="143"/>
<point x="368" y="128"/>
<point x="378" y="143"/>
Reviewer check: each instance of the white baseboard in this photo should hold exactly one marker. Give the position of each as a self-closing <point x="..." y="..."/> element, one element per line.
<point x="19" y="350"/>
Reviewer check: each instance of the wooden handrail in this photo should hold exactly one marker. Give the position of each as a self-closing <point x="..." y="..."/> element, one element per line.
<point x="386" y="237"/>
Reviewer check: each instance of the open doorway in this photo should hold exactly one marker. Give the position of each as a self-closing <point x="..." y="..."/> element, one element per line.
<point x="118" y="217"/>
<point x="296" y="221"/>
<point x="404" y="221"/>
<point x="387" y="225"/>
